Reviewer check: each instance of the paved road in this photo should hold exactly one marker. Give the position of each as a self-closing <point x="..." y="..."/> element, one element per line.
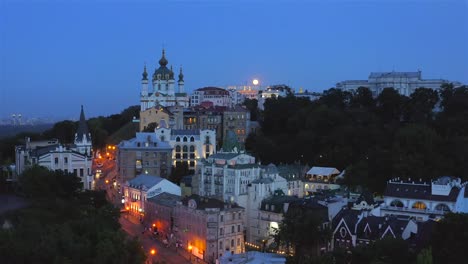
<point x="169" y="255"/>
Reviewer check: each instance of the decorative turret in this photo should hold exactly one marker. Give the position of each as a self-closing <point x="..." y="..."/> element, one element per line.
<point x="181" y="81"/>
<point x="145" y="74"/>
<point x="163" y="61"/>
<point x="171" y="75"/>
<point x="181" y="75"/>
<point x="144" y="82"/>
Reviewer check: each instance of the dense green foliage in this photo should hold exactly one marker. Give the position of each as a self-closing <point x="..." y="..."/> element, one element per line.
<point x="65" y="225"/>
<point x="101" y="128"/>
<point x="450" y="239"/>
<point x="374" y="139"/>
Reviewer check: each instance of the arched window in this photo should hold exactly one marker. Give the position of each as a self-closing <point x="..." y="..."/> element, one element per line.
<point x="185" y="148"/>
<point x="207" y="140"/>
<point x="177" y="139"/>
<point x="396" y="203"/>
<point x="192" y="148"/>
<point x="442" y="207"/>
<point x="185" y="139"/>
<point x="419" y="205"/>
<point x="162" y="138"/>
<point x="192" y="139"/>
<point x="177" y="148"/>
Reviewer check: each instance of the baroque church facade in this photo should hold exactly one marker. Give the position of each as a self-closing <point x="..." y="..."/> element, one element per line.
<point x="163" y="91"/>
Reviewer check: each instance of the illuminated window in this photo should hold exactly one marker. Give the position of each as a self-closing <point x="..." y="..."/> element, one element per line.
<point x="419" y="205"/>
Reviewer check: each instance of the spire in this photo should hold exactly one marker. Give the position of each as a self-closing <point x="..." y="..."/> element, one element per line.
<point x="171" y="74"/>
<point x="145" y="74"/>
<point x="83" y="130"/>
<point x="181" y="75"/>
<point x="163" y="61"/>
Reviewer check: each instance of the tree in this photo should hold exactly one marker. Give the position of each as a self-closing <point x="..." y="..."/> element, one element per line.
<point x="449" y="239"/>
<point x="151" y="127"/>
<point x="420" y="106"/>
<point x="179" y="171"/>
<point x="425" y="256"/>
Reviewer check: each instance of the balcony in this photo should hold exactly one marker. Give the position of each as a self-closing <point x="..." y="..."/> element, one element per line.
<point x="412" y="210"/>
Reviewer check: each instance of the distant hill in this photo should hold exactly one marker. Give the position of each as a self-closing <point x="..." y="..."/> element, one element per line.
<point x="9" y="130"/>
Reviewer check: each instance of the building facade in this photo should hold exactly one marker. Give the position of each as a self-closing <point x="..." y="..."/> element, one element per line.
<point x="139" y="189"/>
<point x="75" y="158"/>
<point x="237" y="119"/>
<point x="159" y="213"/>
<point x="404" y="82"/>
<point x="214" y="95"/>
<point x="424" y="200"/>
<point x="188" y="146"/>
<point x="144" y="154"/>
<point x="156" y="115"/>
<point x="208" y="228"/>
<point x="163" y="91"/>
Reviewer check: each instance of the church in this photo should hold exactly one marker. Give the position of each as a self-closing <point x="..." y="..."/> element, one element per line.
<point x="163" y="91"/>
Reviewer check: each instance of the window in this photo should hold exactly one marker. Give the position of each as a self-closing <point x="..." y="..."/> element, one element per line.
<point x="232" y="243"/>
<point x="240" y="215"/>
<point x="238" y="242"/>
<point x="65" y="160"/>
<point x="232" y="229"/>
<point x="192" y="139"/>
<point x="238" y="228"/>
<point x="81" y="172"/>
<point x="221" y="218"/>
<point x="220" y="244"/>
<point x="56" y="160"/>
<point x="177" y="139"/>
<point x="221" y="231"/>
<point x="192" y="148"/>
<point x="185" y="139"/>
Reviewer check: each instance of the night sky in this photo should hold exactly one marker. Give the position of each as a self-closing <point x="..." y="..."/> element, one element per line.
<point x="56" y="56"/>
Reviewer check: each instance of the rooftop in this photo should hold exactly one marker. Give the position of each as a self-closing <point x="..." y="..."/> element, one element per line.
<point x="144" y="180"/>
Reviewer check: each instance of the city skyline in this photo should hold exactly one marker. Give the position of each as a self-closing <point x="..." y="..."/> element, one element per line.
<point x="58" y="56"/>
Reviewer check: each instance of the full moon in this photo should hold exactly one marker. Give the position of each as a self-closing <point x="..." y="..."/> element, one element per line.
<point x="255" y="82"/>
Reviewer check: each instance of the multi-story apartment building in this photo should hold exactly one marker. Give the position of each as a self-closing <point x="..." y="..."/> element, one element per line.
<point x="404" y="82"/>
<point x="75" y="158"/>
<point x="237" y="119"/>
<point x="214" y="96"/>
<point x="188" y="145"/>
<point x="146" y="154"/>
<point x="226" y="175"/>
<point x="209" y="227"/>
<point x="268" y="218"/>
<point x="321" y="178"/>
<point x="139" y="189"/>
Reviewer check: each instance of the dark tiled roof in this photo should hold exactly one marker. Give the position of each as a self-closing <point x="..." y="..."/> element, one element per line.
<point x="205" y="202"/>
<point x="350" y="217"/>
<point x="417" y="191"/>
<point x="278" y="201"/>
<point x="166" y="199"/>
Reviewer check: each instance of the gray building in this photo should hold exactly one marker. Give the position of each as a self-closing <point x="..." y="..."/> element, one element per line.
<point x="144" y="154"/>
<point x="404" y="82"/>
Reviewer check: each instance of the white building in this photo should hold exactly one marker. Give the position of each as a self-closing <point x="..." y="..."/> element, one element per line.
<point x="75" y="158"/>
<point x="309" y="95"/>
<point x="139" y="189"/>
<point x="212" y="95"/>
<point x="163" y="91"/>
<point x="188" y="145"/>
<point x="273" y="91"/>
<point x="404" y="82"/>
<point x="423" y="200"/>
<point x="321" y="178"/>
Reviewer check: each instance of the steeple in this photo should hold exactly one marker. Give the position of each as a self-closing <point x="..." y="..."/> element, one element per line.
<point x="181" y="75"/>
<point x="171" y="75"/>
<point x="163" y="61"/>
<point x="82" y="135"/>
<point x="83" y="132"/>
<point x="145" y="74"/>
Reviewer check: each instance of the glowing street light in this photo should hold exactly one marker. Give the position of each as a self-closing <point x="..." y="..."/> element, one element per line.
<point x="153" y="251"/>
<point x="255" y="82"/>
